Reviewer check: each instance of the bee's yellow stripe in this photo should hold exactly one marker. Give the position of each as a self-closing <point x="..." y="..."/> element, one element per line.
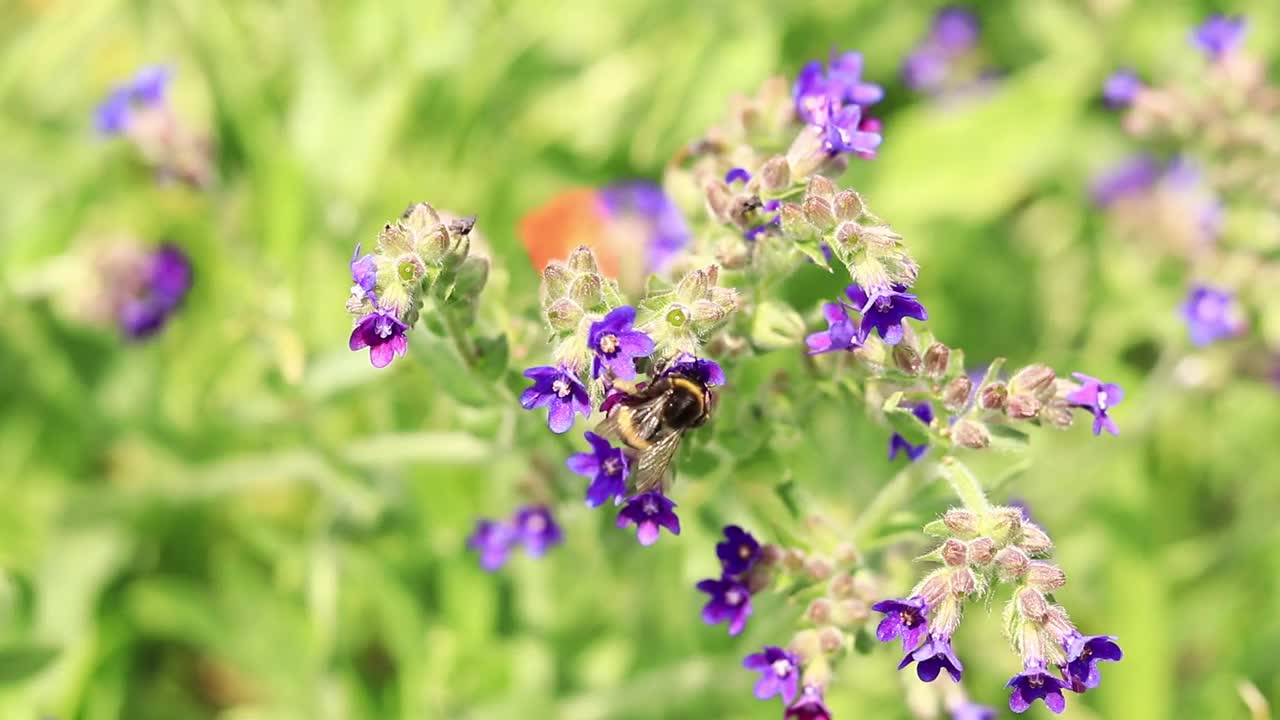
<point x="628" y="431"/>
<point x="689" y="385"/>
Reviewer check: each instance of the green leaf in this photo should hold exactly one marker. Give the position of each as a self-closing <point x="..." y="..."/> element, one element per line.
<point x="492" y="355"/>
<point x="786" y="492"/>
<point x="19" y="662"/>
<point x="904" y="422"/>
<point x="813" y="251"/>
<point x="937" y="528"/>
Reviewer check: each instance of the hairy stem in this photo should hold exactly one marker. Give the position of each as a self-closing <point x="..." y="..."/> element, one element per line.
<point x="965" y="485"/>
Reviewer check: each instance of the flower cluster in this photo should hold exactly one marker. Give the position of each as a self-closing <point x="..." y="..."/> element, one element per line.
<point x="125" y="284"/>
<point x="981" y="548"/>
<point x="946" y="59"/>
<point x="420" y="255"/>
<point x="138" y="110"/>
<point x="730" y="601"/>
<point x="532" y="527"/>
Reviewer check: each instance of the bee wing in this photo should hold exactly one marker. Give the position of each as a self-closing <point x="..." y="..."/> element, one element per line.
<point x="651" y="470"/>
<point x="626" y="423"/>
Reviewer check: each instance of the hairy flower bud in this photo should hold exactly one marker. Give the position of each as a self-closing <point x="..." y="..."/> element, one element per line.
<point x="563" y="315"/>
<point x="963" y="581"/>
<point x="1008" y="523"/>
<point x="1033" y="379"/>
<point x="850" y="611"/>
<point x="555" y="282"/>
<point x="818" y="568"/>
<point x="1044" y="576"/>
<point x="471" y="278"/>
<point x="830" y="639"/>
<point x="1058" y="414"/>
<point x="1035" y="540"/>
<point x="956" y="395"/>
<point x="848" y="205"/>
<point x="961" y="522"/>
<point x="1022" y="406"/>
<point x="434" y="246"/>
<point x="707" y="316"/>
<point x="934" y="587"/>
<point x="906" y="359"/>
<point x="847" y="555"/>
<point x="583" y="260"/>
<point x="937" y="360"/>
<point x="992" y="396"/>
<point x="587" y="290"/>
<point x="820" y="186"/>
<point x="819" y="612"/>
<point x="842" y="586"/>
<point x="806" y="645"/>
<point x="954" y="552"/>
<point x="982" y="551"/>
<point x="794" y="560"/>
<point x="693" y="286"/>
<point x="775" y="174"/>
<point x="1013" y="562"/>
<point x="1032" y="604"/>
<point x="771" y="555"/>
<point x="718" y="199"/>
<point x="970" y="434"/>
<point x="819" y="213"/>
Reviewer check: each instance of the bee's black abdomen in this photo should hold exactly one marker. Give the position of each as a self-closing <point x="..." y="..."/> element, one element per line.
<point x="686" y="407"/>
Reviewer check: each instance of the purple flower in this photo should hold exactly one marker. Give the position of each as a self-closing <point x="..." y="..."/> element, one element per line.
<point x="737" y="174"/>
<point x="364" y="273"/>
<point x="1219" y="35"/>
<point x="845" y="81"/>
<point x="923" y="411"/>
<point x="1032" y="684"/>
<point x="493" y="541"/>
<point x="646" y="202"/>
<point x="145" y="89"/>
<point x="1212" y="315"/>
<point x="607" y="467"/>
<point x="779" y="673"/>
<point x="973" y="711"/>
<point x="1084" y="652"/>
<point x="383" y="333"/>
<point x="954" y="33"/>
<point x="730" y="602"/>
<point x="932" y="657"/>
<point x="739" y="551"/>
<point x="810" y="706"/>
<point x="615" y="343"/>
<point x="886" y="311"/>
<point x="1121" y="87"/>
<point x="833" y="100"/>
<point x="955" y="29"/>
<point x="903" y="618"/>
<point x="649" y="512"/>
<point x="708" y="372"/>
<point x="841" y="332"/>
<point x="167" y="279"/>
<point x="1134" y="176"/>
<point x="843" y="133"/>
<point x="559" y="390"/>
<point x="1098" y="398"/>
<point x="536" y="529"/>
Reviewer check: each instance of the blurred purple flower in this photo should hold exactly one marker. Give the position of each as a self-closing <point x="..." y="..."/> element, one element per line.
<point x="646" y="202"/>
<point x="166" y="281"/>
<point x="1219" y="35"/>
<point x="897" y="443"/>
<point x="559" y="390"/>
<point x="1121" y="87"/>
<point x="649" y="512"/>
<point x="737" y="174"/>
<point x="954" y="33"/>
<point x="810" y="706"/>
<point x="1212" y="315"/>
<point x="1098" y="398"/>
<point x="779" y="673"/>
<point x="730" y="602"/>
<point x="738" y="552"/>
<point x="1035" y="683"/>
<point x="384" y="334"/>
<point x="615" y="344"/>
<point x="607" y="467"/>
<point x="536" y="529"/>
<point x="145" y="89"/>
<point x="973" y="711"/>
<point x="1134" y="176"/>
<point x="493" y="541"/>
<point x="364" y="273"/>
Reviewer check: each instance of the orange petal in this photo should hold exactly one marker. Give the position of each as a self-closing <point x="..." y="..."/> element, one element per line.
<point x="570" y="219"/>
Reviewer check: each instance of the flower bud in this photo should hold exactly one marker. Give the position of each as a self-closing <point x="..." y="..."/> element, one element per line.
<point x="1013" y="562"/>
<point x="842" y="586"/>
<point x="1035" y="540"/>
<point x="805" y="645"/>
<point x="830" y="639"/>
<point x="956" y="395"/>
<point x="1022" y="406"/>
<point x="822" y="187"/>
<point x="434" y="246"/>
<point x="1058" y="414"/>
<point x="555" y="282"/>
<point x="934" y="587"/>
<point x="771" y="555"/>
<point x="906" y="359"/>
<point x="693" y="286"/>
<point x="954" y="553"/>
<point x="1044" y="576"/>
<point x="982" y="551"/>
<point x="847" y="235"/>
<point x="818" y="568"/>
<point x="961" y="522"/>
<point x="848" y="205"/>
<point x="963" y="582"/>
<point x="819" y="213"/>
<point x="850" y="611"/>
<point x="865" y="586"/>
<point x="563" y="315"/>
<point x="718" y="198"/>
<point x="471" y="277"/>
<point x="775" y="175"/>
<point x="776" y="325"/>
<point x="992" y="396"/>
<point x="1032" y="605"/>
<point x="583" y="260"/>
<point x="706" y="316"/>
<point x="1033" y="379"/>
<point x="847" y="555"/>
<point x="819" y="612"/>
<point x="794" y="560"/>
<point x="758" y="578"/>
<point x="937" y="360"/>
<point x="419" y="219"/>
<point x="587" y="290"/>
<point x="1007" y="526"/>
<point x="967" y="433"/>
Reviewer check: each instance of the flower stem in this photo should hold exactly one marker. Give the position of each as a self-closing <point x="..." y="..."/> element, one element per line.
<point x="453" y="326"/>
<point x="965" y="485"/>
<point x="892" y="496"/>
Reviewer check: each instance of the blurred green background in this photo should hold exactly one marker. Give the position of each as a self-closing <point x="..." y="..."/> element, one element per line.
<point x="243" y="520"/>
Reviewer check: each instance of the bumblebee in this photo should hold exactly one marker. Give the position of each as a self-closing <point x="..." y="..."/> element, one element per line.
<point x="650" y="421"/>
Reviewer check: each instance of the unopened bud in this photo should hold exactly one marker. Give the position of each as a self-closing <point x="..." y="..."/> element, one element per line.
<point x="775" y="175"/>
<point x="805" y="645"/>
<point x="587" y="290"/>
<point x="954" y="553"/>
<point x="820" y="187"/>
<point x="563" y="315"/>
<point x="982" y="551"/>
<point x="1022" y="406"/>
<point x="956" y="395"/>
<point x="906" y="359"/>
<point x="935" y="587"/>
<point x="1012" y="562"/>
<point x="842" y="586"/>
<point x="937" y="360"/>
<point x="819" y="612"/>
<point x="419" y="218"/>
<point x="1058" y="414"/>
<point x="992" y="396"/>
<point x="971" y="435"/>
<point x="718" y="199"/>
<point x="1045" y="576"/>
<point x="433" y="247"/>
<point x="693" y="286"/>
<point x="758" y="578"/>
<point x="1033" y="379"/>
<point x="1035" y="540"/>
<point x="830" y="639"/>
<point x="865" y="586"/>
<point x="555" y="282"/>
<point x="818" y="212"/>
<point x="706" y="316"/>
<point x="961" y="522"/>
<point x="1032" y="605"/>
<point x="848" y="205"/>
<point x="847" y="555"/>
<point x="963" y="582"/>
<point x="818" y="568"/>
<point x="471" y="277"/>
<point x="1007" y="525"/>
<point x="583" y="260"/>
<point x="794" y="560"/>
<point x="771" y="554"/>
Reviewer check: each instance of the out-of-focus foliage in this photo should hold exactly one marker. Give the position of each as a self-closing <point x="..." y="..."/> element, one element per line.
<point x="243" y="520"/>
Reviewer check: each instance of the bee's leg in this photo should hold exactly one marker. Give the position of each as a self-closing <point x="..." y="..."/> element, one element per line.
<point x="627" y="386"/>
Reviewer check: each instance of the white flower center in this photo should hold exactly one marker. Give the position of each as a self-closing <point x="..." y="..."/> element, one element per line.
<point x="535" y="524"/>
<point x="612" y="466"/>
<point x="782" y="667"/>
<point x="650" y="507"/>
<point x="733" y="597"/>
<point x="561" y="387"/>
<point x="1102" y="399"/>
<point x="609" y="344"/>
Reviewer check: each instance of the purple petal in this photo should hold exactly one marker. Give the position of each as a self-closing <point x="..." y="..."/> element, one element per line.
<point x="647" y="533"/>
<point x="560" y="417"/>
<point x="583" y="464"/>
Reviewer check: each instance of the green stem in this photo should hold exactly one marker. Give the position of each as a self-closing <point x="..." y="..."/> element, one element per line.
<point x="965" y="485"/>
<point x="458" y="334"/>
<point x="892" y="496"/>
